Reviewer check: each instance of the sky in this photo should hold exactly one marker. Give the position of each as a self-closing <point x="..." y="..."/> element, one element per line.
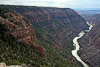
<point x="55" y="3"/>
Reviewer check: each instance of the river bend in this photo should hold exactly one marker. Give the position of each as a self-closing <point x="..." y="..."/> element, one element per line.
<point x="77" y="47"/>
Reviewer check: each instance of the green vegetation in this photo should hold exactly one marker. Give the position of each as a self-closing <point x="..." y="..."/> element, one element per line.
<point x="12" y="52"/>
<point x="17" y="53"/>
<point x="55" y="57"/>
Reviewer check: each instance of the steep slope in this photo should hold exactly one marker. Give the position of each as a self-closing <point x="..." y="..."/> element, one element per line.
<point x="60" y="24"/>
<point x="53" y="29"/>
<point x="17" y="27"/>
<point x="13" y="31"/>
<point x="90" y="44"/>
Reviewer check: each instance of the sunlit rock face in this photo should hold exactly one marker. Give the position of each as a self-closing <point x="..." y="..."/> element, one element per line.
<point x="60" y="24"/>
<point x="17" y="27"/>
<point x="52" y="28"/>
<point x="20" y="30"/>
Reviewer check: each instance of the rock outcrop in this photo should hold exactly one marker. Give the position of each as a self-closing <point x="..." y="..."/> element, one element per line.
<point x="53" y="29"/>
<point x="60" y="24"/>
<point x="22" y="32"/>
<point x="17" y="27"/>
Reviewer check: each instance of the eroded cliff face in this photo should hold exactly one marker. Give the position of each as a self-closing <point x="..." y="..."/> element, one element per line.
<point x="90" y="43"/>
<point x="95" y="36"/>
<point x="22" y="32"/>
<point x="17" y="27"/>
<point x="53" y="29"/>
<point x="95" y="32"/>
<point x="60" y="24"/>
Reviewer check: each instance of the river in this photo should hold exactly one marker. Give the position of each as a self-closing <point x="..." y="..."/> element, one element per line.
<point x="77" y="47"/>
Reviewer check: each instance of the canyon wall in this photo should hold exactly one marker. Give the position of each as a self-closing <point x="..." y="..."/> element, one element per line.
<point x="90" y="43"/>
<point x="50" y="30"/>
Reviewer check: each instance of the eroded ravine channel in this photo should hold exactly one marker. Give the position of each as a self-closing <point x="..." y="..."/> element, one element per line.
<point x="77" y="47"/>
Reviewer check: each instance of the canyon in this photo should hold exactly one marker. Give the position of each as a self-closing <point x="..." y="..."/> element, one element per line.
<point x="47" y="34"/>
<point x="90" y="51"/>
